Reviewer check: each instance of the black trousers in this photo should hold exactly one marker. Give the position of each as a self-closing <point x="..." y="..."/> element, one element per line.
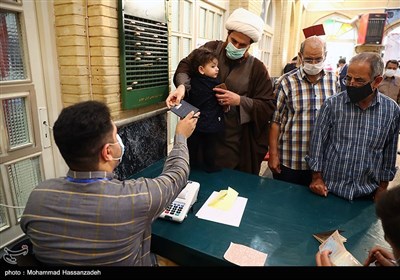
<point x="202" y="150"/>
<point x="300" y="177"/>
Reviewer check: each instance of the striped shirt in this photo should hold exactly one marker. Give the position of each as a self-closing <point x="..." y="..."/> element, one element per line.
<point x="355" y="149"/>
<point x="298" y="101"/>
<point x="92" y="219"/>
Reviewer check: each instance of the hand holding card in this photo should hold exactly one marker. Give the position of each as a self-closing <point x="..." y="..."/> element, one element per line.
<point x="183" y="109"/>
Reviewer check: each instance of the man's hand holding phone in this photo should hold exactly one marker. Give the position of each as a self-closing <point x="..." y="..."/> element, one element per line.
<point x="222" y="96"/>
<point x="223" y="86"/>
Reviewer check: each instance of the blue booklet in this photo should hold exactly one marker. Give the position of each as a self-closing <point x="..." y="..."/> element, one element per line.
<point x="183" y="109"/>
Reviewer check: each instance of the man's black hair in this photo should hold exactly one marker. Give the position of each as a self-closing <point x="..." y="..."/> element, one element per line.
<point x="80" y="132"/>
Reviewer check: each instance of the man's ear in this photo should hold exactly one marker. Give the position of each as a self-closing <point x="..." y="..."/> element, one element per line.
<point x="106" y="152"/>
<point x="377" y="81"/>
<point x="299" y="58"/>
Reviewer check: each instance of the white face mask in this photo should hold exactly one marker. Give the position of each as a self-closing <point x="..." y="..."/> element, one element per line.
<point x="390" y="72"/>
<point x="119" y="141"/>
<point x="313" y="69"/>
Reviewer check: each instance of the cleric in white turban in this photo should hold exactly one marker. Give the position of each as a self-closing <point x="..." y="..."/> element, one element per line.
<point x="245" y="22"/>
<point x="243" y="143"/>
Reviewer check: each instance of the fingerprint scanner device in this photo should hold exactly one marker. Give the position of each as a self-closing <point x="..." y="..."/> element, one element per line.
<point x="178" y="209"/>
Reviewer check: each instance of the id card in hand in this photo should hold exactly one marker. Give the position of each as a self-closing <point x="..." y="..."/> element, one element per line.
<point x="183" y="109"/>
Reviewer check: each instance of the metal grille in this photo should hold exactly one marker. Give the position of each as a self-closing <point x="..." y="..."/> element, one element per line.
<point x="23" y="176"/>
<point x="15" y="116"/>
<point x="3" y="210"/>
<point x="375" y="28"/>
<point x="146" y="50"/>
<point x="11" y="51"/>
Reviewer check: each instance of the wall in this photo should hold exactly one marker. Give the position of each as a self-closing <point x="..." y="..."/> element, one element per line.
<point x="145" y="143"/>
<point x="88" y="58"/>
<point x="291" y="16"/>
<point x="282" y="37"/>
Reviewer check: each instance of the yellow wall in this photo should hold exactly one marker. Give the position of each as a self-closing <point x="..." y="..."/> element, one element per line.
<point x="88" y="54"/>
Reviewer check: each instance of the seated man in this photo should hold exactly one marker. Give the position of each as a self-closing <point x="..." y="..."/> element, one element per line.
<point x="89" y="217"/>
<point x="388" y="210"/>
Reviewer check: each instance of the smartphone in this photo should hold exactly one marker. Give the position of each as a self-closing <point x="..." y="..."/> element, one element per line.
<point x="223" y="86"/>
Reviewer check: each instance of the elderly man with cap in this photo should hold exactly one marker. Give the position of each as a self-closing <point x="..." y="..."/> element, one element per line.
<point x="244" y="143"/>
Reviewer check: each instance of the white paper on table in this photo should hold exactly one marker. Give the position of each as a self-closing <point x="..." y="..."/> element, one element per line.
<point x="244" y="256"/>
<point x="231" y="217"/>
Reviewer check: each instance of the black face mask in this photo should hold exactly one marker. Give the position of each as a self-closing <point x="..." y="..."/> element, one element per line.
<point x="356" y="94"/>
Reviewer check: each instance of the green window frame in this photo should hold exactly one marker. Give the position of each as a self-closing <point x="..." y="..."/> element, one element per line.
<point x="143" y="57"/>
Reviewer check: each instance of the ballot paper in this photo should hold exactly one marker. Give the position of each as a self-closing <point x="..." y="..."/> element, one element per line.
<point x="322" y="236"/>
<point x="339" y="255"/>
<point x="224" y="199"/>
<point x="244" y="256"/>
<point x="220" y="210"/>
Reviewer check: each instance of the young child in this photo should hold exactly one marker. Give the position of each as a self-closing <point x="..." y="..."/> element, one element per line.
<point x="204" y="73"/>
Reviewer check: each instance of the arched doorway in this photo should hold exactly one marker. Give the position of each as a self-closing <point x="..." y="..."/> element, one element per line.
<point x="341" y="38"/>
<point x="391" y="41"/>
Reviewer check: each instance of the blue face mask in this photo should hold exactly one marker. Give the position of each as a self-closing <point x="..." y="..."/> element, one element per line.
<point x="233" y="53"/>
<point x="119" y="141"/>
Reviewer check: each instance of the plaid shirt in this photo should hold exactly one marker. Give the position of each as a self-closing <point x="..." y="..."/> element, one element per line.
<point x="298" y="102"/>
<point x="92" y="219"/>
<point x="355" y="149"/>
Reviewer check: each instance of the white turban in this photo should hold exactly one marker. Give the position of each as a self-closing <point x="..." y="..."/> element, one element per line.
<point x="245" y="22"/>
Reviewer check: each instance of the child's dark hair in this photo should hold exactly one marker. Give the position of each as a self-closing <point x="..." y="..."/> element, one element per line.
<point x="200" y="57"/>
